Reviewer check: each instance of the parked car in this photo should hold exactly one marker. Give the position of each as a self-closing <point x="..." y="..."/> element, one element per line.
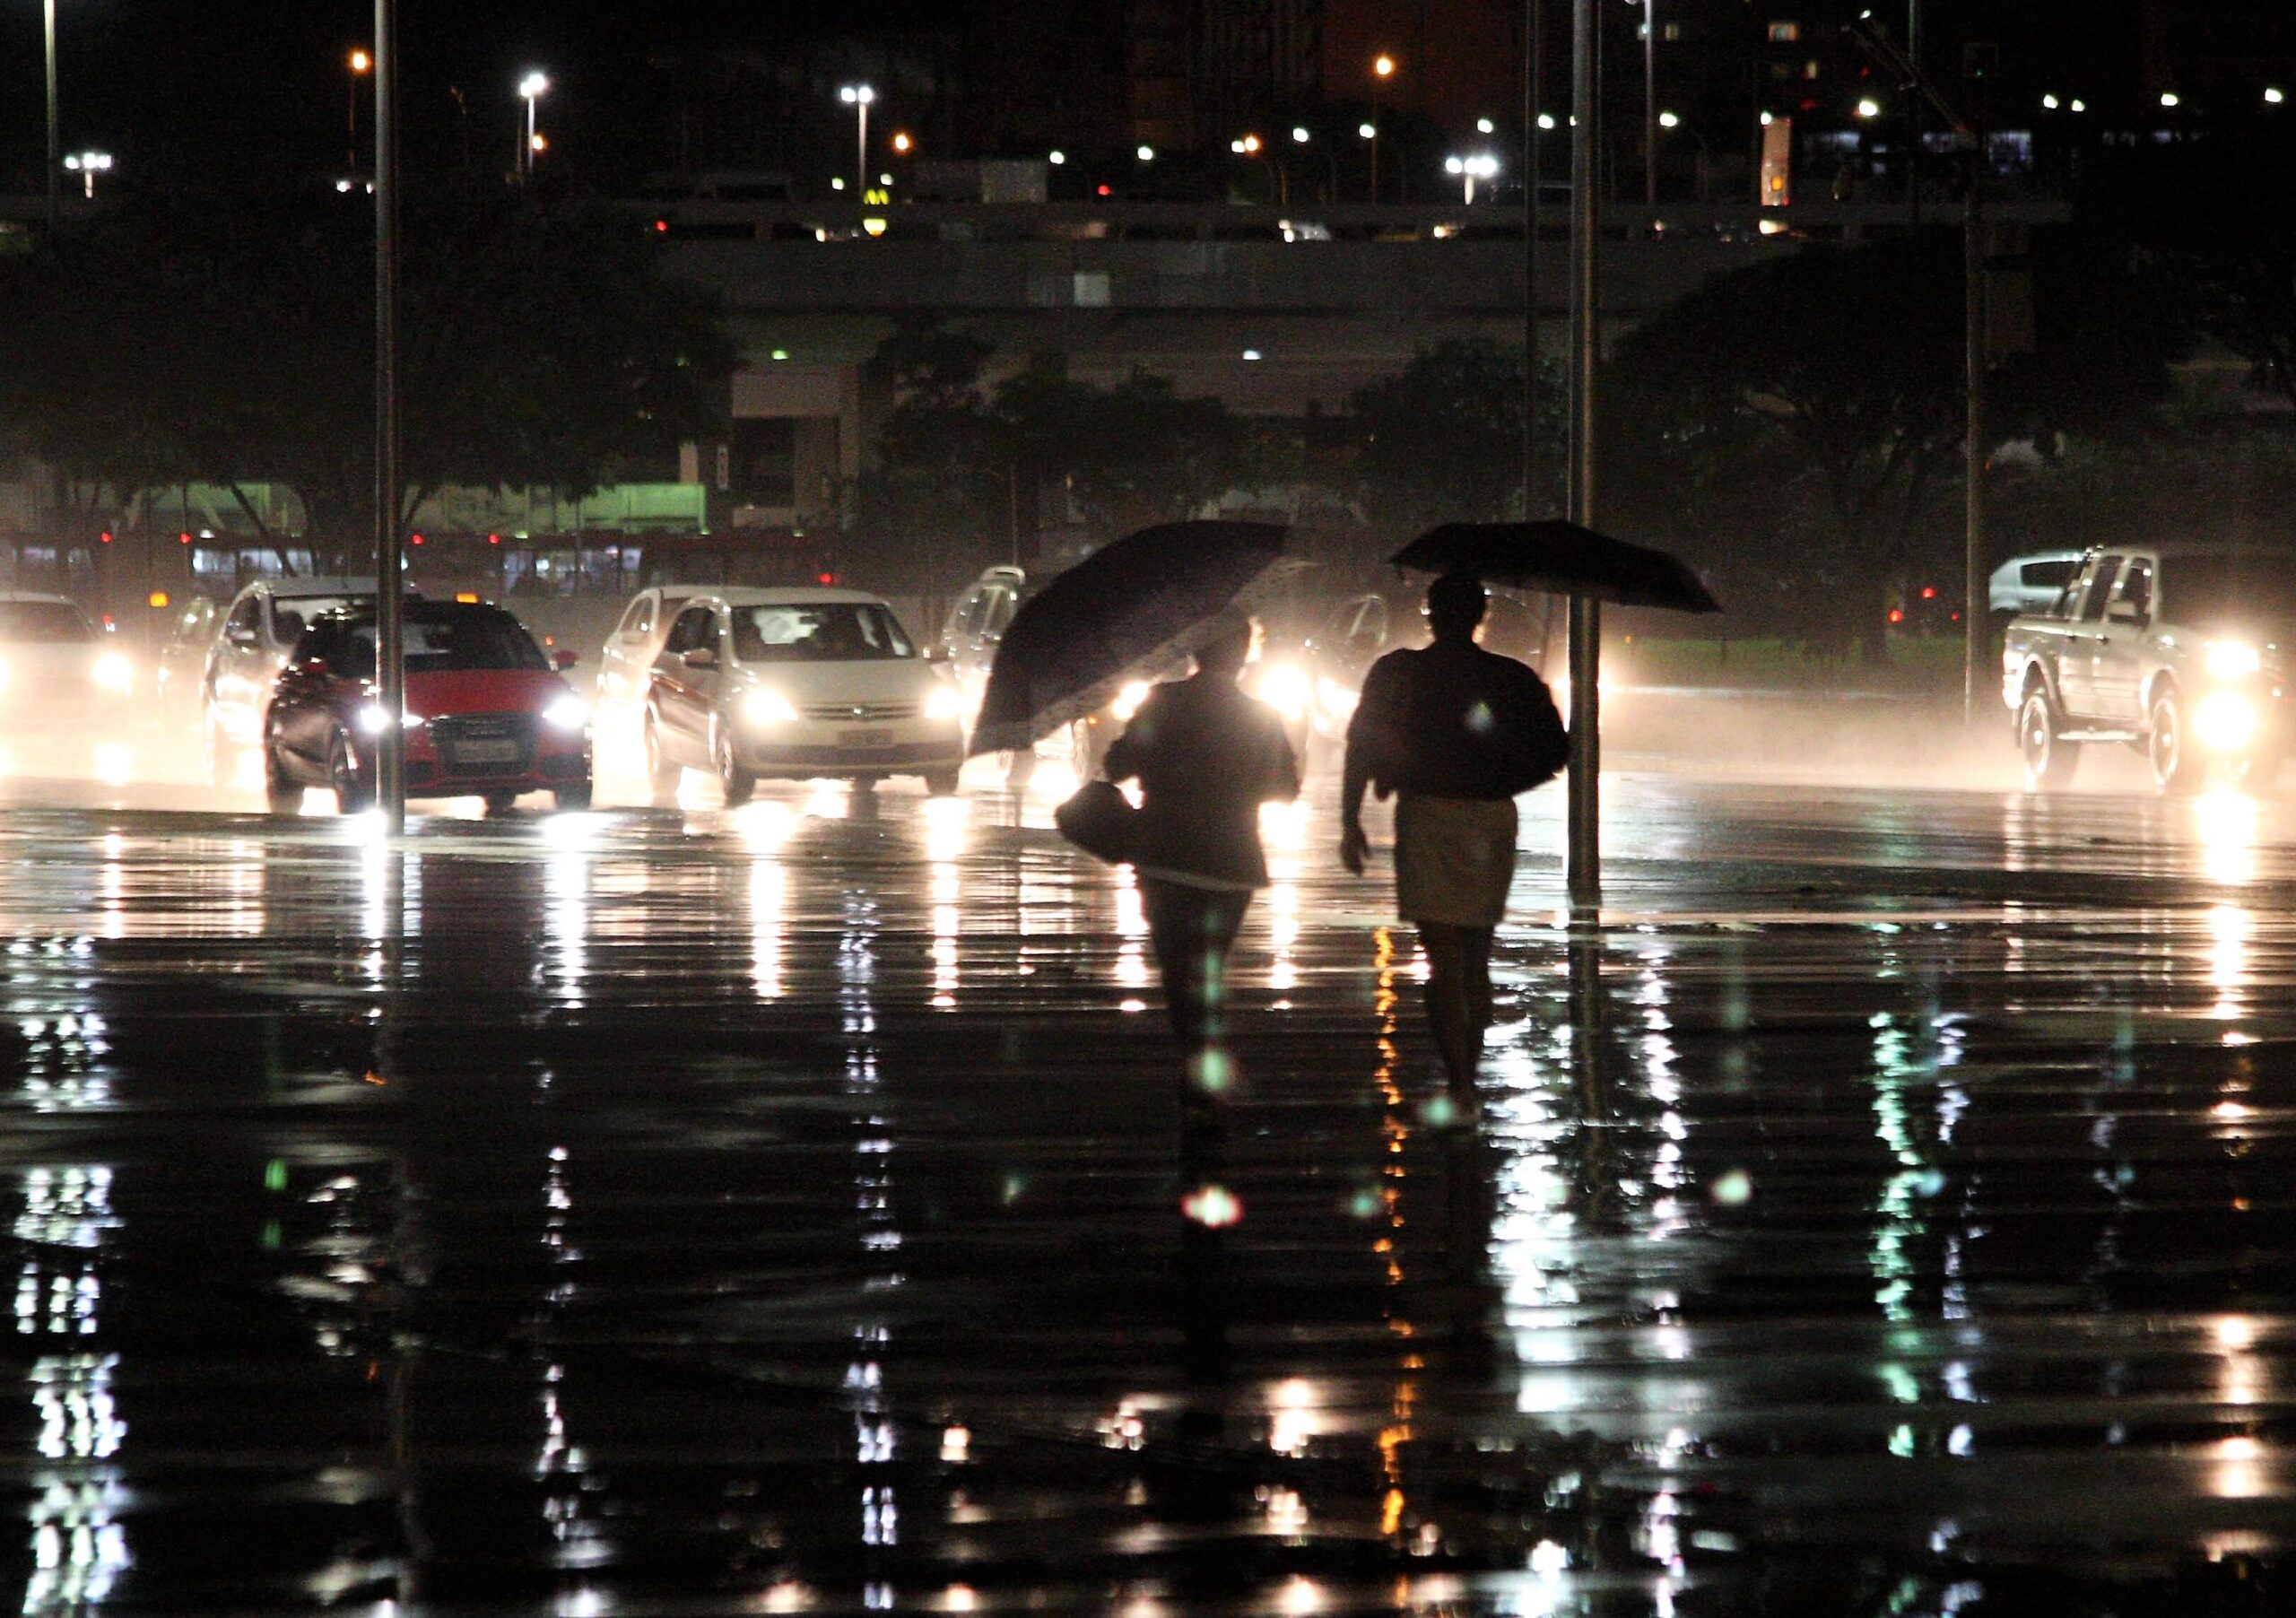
<point x="258" y="630"/>
<point x="794" y="683"/>
<point x="2031" y="583"/>
<point x="2179" y="650"/>
<point x="488" y="713"/>
<point x="55" y="671"/>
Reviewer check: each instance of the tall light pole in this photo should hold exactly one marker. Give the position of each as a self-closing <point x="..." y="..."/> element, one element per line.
<point x="1583" y="865"/>
<point x="532" y="87"/>
<point x="1383" y="68"/>
<point x="1650" y="103"/>
<point x="48" y="18"/>
<point x="390" y="627"/>
<point x="359" y="63"/>
<point x="859" y="97"/>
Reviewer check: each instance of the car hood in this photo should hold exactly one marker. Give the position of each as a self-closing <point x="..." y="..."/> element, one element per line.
<point x="482" y="690"/>
<point x="875" y="679"/>
<point x="49" y="659"/>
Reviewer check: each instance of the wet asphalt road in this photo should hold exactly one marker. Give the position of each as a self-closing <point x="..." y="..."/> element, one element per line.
<point x="775" y="1209"/>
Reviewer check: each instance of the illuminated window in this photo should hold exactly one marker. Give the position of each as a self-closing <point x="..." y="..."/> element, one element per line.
<point x="1671" y="33"/>
<point x="1785" y="33"/>
<point x="1810" y="68"/>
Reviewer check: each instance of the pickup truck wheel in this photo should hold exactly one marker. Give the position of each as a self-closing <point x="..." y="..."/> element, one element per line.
<point x="2176" y="768"/>
<point x="2049" y="759"/>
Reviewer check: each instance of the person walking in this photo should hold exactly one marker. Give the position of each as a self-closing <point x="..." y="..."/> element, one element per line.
<point x="1454" y="732"/>
<point x="1206" y="757"/>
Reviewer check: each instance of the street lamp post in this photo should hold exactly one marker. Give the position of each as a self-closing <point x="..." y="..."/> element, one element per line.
<point x="1650" y="103"/>
<point x="1583" y="862"/>
<point x="87" y="165"/>
<point x="359" y="63"/>
<point x="390" y="627"/>
<point x="47" y="19"/>
<point x="859" y="97"/>
<point x="1383" y="67"/>
<point x="532" y="88"/>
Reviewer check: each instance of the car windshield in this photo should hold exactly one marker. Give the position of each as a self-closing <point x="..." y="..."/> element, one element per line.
<point x="832" y="632"/>
<point x="50" y="622"/>
<point x="434" y="645"/>
<point x="289" y="614"/>
<point x="2248" y="589"/>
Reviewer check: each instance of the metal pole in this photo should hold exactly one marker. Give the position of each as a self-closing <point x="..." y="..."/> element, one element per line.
<point x="1531" y="66"/>
<point x="861" y="154"/>
<point x="1977" y="639"/>
<point x="1913" y="118"/>
<point x="1585" y="854"/>
<point x="527" y="147"/>
<point x="1650" y="103"/>
<point x="1375" y="138"/>
<point x="48" y="17"/>
<point x="390" y="630"/>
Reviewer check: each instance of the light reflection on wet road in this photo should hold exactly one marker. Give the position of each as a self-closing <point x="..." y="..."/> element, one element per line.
<point x="775" y="1209"/>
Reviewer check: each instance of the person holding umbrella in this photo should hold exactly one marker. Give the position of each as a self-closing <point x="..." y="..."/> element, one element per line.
<point x="1206" y="757"/>
<point x="1454" y="732"/>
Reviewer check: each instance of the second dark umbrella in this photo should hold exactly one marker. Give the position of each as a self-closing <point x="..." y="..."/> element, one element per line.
<point x="1138" y="602"/>
<point x="1562" y="559"/>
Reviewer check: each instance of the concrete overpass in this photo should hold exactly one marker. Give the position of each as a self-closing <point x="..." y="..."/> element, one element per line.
<point x="1276" y="311"/>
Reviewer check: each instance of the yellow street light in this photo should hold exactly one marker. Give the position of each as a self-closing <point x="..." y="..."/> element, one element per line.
<point x="901" y="143"/>
<point x="1384" y="66"/>
<point x="361" y="61"/>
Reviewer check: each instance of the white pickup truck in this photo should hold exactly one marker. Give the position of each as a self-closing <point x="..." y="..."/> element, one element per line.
<point x="2179" y="650"/>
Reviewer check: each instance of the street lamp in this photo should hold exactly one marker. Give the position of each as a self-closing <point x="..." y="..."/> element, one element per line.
<point x="1383" y="68"/>
<point x="1146" y="154"/>
<point x="87" y="165"/>
<point x="532" y="88"/>
<point x="859" y="97"/>
<point x="1869" y="108"/>
<point x="2273" y="95"/>
<point x="47" y="20"/>
<point x="360" y="64"/>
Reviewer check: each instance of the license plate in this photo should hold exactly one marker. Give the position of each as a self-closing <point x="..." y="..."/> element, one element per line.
<point x="865" y="738"/>
<point x="485" y="753"/>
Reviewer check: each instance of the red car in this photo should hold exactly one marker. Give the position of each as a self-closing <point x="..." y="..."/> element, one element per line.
<point x="487" y="714"/>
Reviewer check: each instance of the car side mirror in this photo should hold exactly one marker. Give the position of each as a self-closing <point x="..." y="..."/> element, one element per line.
<point x="565" y="657"/>
<point x="701" y="656"/>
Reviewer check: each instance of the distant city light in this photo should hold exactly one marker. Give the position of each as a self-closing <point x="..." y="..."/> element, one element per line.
<point x="837" y="182"/>
<point x="1767" y="120"/>
<point x="1146" y="154"/>
<point x="2080" y="106"/>
<point x="1057" y="158"/>
<point x="1300" y="134"/>
<point x="1251" y="353"/>
<point x="1384" y="66"/>
<point x="901" y="143"/>
<point x="1546" y="119"/>
<point x="87" y="165"/>
<point x="2168" y="97"/>
<point x="1366" y="131"/>
<point x="1667" y="120"/>
<point x="361" y="61"/>
<point x="1869" y="108"/>
<point x="857" y="95"/>
<point x="2050" y="101"/>
<point x="540" y="143"/>
<point x="1482" y="126"/>
<point x="533" y="85"/>
<point x="2273" y="95"/>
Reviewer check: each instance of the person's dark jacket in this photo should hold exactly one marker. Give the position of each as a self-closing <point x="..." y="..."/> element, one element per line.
<point x="1453" y="721"/>
<point x="1207" y="757"/>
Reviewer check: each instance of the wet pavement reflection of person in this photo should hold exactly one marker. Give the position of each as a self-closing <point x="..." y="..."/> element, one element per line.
<point x="1456" y="732"/>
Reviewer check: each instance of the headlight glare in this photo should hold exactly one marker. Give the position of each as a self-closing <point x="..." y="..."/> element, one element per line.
<point x="945" y="701"/>
<point x="114" y="673"/>
<point x="1286" y="690"/>
<point x="1128" y="701"/>
<point x="768" y="707"/>
<point x="2225" y="721"/>
<point x="569" y="712"/>
<point x="374" y="719"/>
<point x="2233" y="660"/>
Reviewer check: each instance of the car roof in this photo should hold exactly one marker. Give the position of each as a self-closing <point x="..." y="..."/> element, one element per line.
<point x="28" y="595"/>
<point x="2193" y="547"/>
<point x="418" y="607"/>
<point x="288" y="589"/>
<point x="806" y="595"/>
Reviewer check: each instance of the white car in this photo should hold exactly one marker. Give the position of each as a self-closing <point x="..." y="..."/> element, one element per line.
<point x="790" y="684"/>
<point x="626" y="661"/>
<point x="55" y="669"/>
<point x="250" y="647"/>
<point x="2031" y="583"/>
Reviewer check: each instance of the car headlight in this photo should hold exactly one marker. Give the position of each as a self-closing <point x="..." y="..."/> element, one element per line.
<point x="2233" y="660"/>
<point x="945" y="701"/>
<point x="768" y="707"/>
<point x="1286" y="690"/>
<point x="374" y="719"/>
<point x="2225" y="721"/>
<point x="1128" y="701"/>
<point x="1338" y="701"/>
<point x="113" y="673"/>
<point x="569" y="712"/>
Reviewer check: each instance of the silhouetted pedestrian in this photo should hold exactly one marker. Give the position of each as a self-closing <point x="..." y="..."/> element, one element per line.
<point x="1207" y="757"/>
<point x="1456" y="732"/>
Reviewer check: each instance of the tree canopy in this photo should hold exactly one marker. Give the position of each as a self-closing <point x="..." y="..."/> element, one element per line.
<point x="231" y="342"/>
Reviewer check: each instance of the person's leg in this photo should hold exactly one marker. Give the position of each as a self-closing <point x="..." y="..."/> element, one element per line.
<point x="1192" y="930"/>
<point x="1476" y="944"/>
<point x="1450" y="1014"/>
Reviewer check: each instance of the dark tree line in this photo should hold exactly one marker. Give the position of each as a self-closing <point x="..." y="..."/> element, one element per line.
<point x="229" y="340"/>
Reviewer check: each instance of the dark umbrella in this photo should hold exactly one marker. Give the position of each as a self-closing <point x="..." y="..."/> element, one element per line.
<point x="1142" y="602"/>
<point x="1562" y="559"/>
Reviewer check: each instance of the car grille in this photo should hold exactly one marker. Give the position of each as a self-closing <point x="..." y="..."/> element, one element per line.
<point x="485" y="744"/>
<point x="861" y="713"/>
